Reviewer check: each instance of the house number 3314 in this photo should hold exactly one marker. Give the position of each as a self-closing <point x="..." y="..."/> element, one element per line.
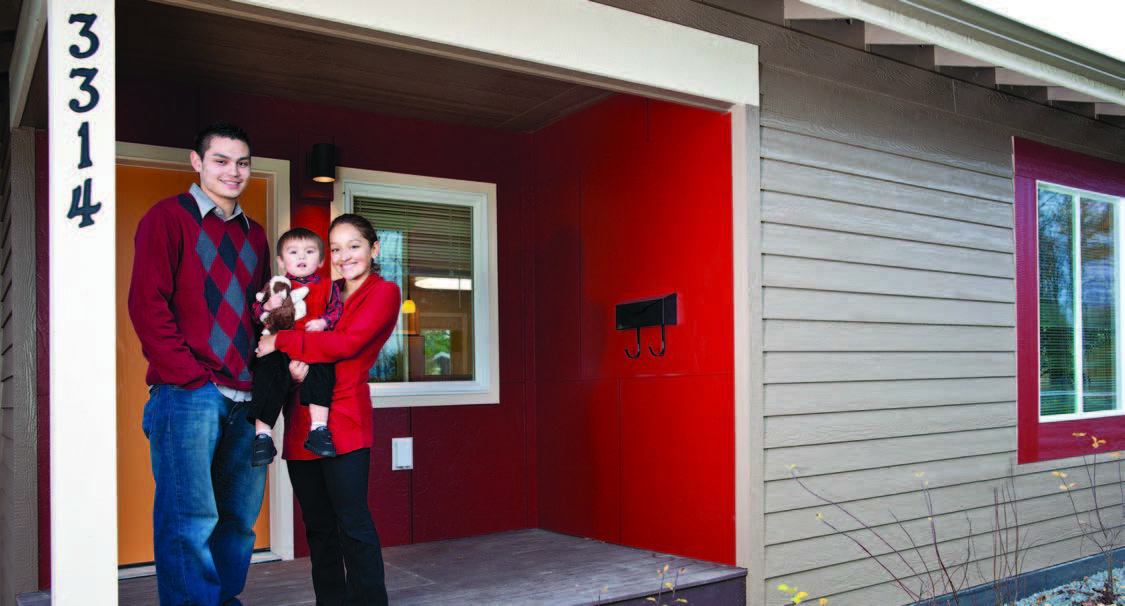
<point x="85" y="49"/>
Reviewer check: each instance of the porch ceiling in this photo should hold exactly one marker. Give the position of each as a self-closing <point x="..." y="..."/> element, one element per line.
<point x="159" y="41"/>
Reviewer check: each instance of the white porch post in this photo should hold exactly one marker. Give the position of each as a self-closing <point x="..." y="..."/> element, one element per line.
<point x="81" y="90"/>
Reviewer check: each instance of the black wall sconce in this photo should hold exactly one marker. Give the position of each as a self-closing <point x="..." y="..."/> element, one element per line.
<point x="320" y="163"/>
<point x="660" y="311"/>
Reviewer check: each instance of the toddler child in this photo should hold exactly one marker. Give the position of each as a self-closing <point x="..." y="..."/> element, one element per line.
<point x="300" y="254"/>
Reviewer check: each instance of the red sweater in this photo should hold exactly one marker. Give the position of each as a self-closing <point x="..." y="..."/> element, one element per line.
<point x="189" y="298"/>
<point x="369" y="318"/>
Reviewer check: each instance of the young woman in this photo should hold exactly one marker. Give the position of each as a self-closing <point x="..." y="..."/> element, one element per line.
<point x="333" y="491"/>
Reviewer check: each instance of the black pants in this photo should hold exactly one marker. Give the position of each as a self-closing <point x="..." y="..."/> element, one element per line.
<point x="347" y="560"/>
<point x="272" y="383"/>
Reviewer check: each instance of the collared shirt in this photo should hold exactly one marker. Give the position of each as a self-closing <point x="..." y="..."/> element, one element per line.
<point x="206" y="205"/>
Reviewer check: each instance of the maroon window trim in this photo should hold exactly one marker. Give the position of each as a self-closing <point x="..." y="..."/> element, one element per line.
<point x="1038" y="162"/>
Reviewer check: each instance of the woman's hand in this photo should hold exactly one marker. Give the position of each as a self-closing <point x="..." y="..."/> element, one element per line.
<point x="266" y="345"/>
<point x="298" y="370"/>
<point x="317" y="325"/>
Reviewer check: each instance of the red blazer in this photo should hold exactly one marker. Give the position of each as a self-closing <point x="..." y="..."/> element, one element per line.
<point x="369" y="318"/>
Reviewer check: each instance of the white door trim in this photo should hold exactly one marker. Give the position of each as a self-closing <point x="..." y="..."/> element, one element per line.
<point x="277" y="173"/>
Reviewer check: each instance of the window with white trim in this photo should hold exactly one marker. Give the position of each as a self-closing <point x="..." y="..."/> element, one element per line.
<point x="437" y="243"/>
<point x="1078" y="309"/>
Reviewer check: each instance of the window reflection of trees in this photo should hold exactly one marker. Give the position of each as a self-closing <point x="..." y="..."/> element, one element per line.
<point x="1091" y="267"/>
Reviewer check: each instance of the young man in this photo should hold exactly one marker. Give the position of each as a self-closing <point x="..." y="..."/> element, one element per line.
<point x="199" y="262"/>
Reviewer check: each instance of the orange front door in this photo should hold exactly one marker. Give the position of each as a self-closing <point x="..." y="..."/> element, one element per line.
<point x="138" y="188"/>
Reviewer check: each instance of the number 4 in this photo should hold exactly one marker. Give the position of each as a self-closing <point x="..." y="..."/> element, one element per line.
<point x="80" y="205"/>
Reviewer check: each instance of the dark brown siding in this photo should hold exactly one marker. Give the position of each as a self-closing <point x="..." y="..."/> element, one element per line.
<point x="18" y="536"/>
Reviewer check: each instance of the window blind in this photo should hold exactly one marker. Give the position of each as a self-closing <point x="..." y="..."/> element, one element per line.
<point x="437" y="239"/>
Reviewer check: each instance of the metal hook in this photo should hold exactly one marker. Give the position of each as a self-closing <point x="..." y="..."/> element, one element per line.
<point x="661" y="354"/>
<point x="638" y="347"/>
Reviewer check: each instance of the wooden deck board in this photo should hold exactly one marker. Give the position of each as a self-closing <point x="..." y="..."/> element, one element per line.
<point x="532" y="567"/>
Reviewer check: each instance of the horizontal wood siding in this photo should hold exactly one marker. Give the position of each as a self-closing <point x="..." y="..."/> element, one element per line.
<point x="889" y="341"/>
<point x="18" y="538"/>
<point x="888" y="313"/>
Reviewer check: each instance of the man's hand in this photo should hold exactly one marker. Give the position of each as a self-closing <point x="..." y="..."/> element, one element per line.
<point x="274" y="301"/>
<point x="317" y="325"/>
<point x="298" y="370"/>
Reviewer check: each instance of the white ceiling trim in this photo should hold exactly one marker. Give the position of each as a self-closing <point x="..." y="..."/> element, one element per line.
<point x="994" y="40"/>
<point x="571" y="36"/>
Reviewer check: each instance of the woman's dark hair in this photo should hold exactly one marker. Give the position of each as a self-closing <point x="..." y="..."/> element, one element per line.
<point x="363" y="226"/>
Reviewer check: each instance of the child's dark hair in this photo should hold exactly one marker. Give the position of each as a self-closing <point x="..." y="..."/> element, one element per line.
<point x="363" y="226"/>
<point x="300" y="233"/>
<point x="223" y="129"/>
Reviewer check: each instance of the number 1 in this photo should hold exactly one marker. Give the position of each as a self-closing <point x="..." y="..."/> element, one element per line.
<point x="84" y="153"/>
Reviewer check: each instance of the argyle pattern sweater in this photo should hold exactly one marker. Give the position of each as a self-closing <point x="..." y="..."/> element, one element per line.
<point x="194" y="278"/>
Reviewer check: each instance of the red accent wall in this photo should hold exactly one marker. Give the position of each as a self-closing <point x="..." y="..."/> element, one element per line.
<point x="632" y="199"/>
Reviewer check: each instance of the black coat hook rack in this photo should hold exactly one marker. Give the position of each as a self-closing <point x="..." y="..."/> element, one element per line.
<point x="660" y="311"/>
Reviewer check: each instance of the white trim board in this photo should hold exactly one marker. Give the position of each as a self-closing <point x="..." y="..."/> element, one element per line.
<point x="571" y="40"/>
<point x="994" y="39"/>
<point x="277" y="172"/>
<point x="81" y="220"/>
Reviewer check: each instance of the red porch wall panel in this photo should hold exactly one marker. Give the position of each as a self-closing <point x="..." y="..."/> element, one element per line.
<point x="469" y="468"/>
<point x="677" y="465"/>
<point x="633" y="200"/>
<point x="579" y="463"/>
<point x="558" y="279"/>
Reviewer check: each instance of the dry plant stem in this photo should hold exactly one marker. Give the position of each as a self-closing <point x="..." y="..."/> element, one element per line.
<point x="1102" y="536"/>
<point x="1006" y="535"/>
<point x="862" y="524"/>
<point x="934" y="539"/>
<point x="898" y="581"/>
<point x="926" y="582"/>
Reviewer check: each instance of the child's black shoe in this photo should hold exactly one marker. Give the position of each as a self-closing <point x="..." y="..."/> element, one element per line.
<point x="262" y="450"/>
<point x="320" y="443"/>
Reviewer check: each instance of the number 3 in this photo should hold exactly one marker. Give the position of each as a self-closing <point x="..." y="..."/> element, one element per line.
<point x="87" y="74"/>
<point x="87" y="21"/>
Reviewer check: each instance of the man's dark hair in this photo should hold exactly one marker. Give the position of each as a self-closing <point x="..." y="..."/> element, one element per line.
<point x="223" y="129"/>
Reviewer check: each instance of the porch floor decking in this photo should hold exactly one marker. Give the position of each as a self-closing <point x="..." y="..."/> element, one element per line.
<point x="532" y="567"/>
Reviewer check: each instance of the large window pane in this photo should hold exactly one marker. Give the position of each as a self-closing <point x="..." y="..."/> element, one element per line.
<point x="1057" y="389"/>
<point x="427" y="249"/>
<point x="1099" y="307"/>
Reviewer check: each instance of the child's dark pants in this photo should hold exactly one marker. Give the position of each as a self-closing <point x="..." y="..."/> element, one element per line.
<point x="272" y="383"/>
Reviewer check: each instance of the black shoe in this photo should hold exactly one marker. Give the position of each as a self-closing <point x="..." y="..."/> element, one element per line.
<point x="320" y="443"/>
<point x="262" y="450"/>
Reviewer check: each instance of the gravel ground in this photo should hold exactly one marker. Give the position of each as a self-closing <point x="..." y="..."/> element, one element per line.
<point x="1077" y="593"/>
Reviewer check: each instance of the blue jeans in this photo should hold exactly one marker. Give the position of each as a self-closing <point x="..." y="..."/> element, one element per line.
<point x="207" y="494"/>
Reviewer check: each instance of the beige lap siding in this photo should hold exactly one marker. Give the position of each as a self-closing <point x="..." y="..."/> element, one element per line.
<point x="889" y="314"/>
